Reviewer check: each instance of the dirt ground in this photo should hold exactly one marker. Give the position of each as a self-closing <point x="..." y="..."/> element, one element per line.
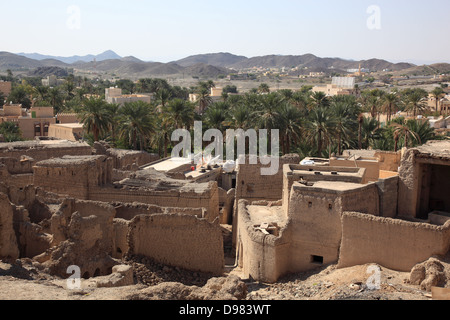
<point x="23" y="280"/>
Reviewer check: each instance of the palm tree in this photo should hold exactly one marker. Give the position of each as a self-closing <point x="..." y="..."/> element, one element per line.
<point x="137" y="122"/>
<point x="79" y="93"/>
<point x="162" y="137"/>
<point x="215" y="117"/>
<point x="396" y="139"/>
<point x="10" y="131"/>
<point x="94" y="116"/>
<point x="290" y="124"/>
<point x="56" y="99"/>
<point x="163" y="96"/>
<point x="42" y="92"/>
<point x="300" y="100"/>
<point x="181" y="112"/>
<point x="370" y="131"/>
<point x="391" y="101"/>
<point x="344" y="115"/>
<point x="143" y="85"/>
<point x="320" y="128"/>
<point x="318" y="99"/>
<point x="69" y="87"/>
<point x="402" y="129"/>
<point x="437" y="94"/>
<point x="2" y="99"/>
<point x="240" y="117"/>
<point x="267" y="111"/>
<point x="210" y="84"/>
<point x="371" y="101"/>
<point x="422" y="130"/>
<point x="414" y="101"/>
<point x="204" y="98"/>
<point x="286" y="94"/>
<point x="264" y="88"/>
<point x="113" y="110"/>
<point x="360" y="125"/>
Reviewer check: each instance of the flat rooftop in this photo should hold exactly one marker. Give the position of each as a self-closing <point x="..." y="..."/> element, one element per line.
<point x="330" y="186"/>
<point x="439" y="149"/>
<point x="168" y="164"/>
<point x="264" y="214"/>
<point x="153" y="180"/>
<point x="314" y="173"/>
<point x="69" y="161"/>
<point x="68" y="125"/>
<point x="39" y="144"/>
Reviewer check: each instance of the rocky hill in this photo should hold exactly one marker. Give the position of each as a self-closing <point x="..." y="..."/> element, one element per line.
<point x="209" y="65"/>
<point x="90" y="57"/>
<point x="214" y="59"/>
<point x="309" y="61"/>
<point x="47" y="71"/>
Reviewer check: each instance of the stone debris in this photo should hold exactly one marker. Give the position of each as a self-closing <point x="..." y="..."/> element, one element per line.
<point x="122" y="275"/>
<point x="428" y="274"/>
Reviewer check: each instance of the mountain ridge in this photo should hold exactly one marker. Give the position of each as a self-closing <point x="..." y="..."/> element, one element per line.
<point x="109" y="54"/>
<point x="204" y="65"/>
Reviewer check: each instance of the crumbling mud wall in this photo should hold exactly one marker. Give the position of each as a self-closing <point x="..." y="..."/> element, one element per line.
<point x="130" y="159"/>
<point x="315" y="214"/>
<point x="120" y="243"/>
<point x="204" y="195"/>
<point x="311" y="235"/>
<point x="20" y="196"/>
<point x="408" y="185"/>
<point x="424" y="178"/>
<point x="388" y="191"/>
<point x="8" y="242"/>
<point x="392" y="243"/>
<point x="308" y="173"/>
<point x="16" y="172"/>
<point x="85" y="248"/>
<point x="73" y="176"/>
<point x="253" y="186"/>
<point x="83" y="235"/>
<point x="128" y="211"/>
<point x="178" y="240"/>
<point x="17" y="166"/>
<point x="388" y="160"/>
<point x="39" y="151"/>
<point x="262" y="257"/>
<point x="125" y="159"/>
<point x="226" y="203"/>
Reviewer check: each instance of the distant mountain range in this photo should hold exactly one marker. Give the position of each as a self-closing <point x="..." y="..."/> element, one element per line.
<point x="309" y="61"/>
<point x="201" y="65"/>
<point x="88" y="58"/>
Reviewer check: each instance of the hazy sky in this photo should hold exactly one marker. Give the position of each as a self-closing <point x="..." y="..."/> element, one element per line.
<point x="396" y="30"/>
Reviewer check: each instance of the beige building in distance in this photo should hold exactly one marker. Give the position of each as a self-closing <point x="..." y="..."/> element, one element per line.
<point x="66" y="131"/>
<point x="338" y="86"/>
<point x="5" y="87"/>
<point x="114" y="95"/>
<point x="32" y="123"/>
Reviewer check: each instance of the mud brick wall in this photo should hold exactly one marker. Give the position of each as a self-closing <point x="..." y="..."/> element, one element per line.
<point x="43" y="153"/>
<point x="178" y="240"/>
<point x="208" y="198"/>
<point x="392" y="243"/>
<point x="252" y="185"/>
